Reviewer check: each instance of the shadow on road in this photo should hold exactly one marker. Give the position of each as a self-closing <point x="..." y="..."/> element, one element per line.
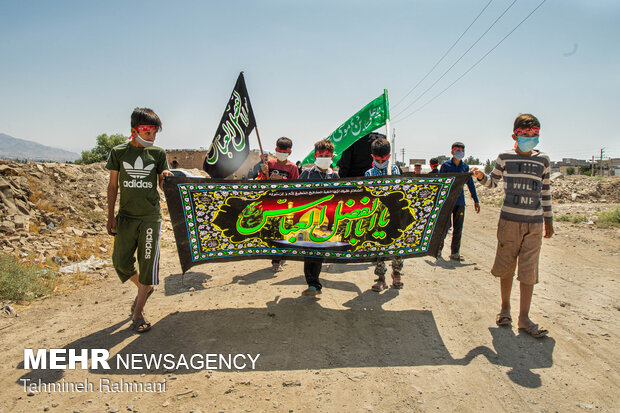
<point x="180" y="283"/>
<point x="300" y="334"/>
<point x="327" y="284"/>
<point x="521" y="353"/>
<point x="447" y="265"/>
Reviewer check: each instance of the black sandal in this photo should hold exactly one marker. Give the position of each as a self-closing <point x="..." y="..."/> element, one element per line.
<point x="380" y="285"/>
<point x="140" y="325"/>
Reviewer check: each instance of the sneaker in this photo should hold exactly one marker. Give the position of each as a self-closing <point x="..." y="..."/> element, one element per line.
<point x="311" y="291"/>
<point x="456" y="257"/>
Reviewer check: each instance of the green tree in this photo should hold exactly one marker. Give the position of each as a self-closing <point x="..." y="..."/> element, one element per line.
<point x="570" y="171"/>
<point x="442" y="158"/>
<point x="470" y="160"/>
<point x="101" y="152"/>
<point x="488" y="166"/>
<point x="585" y="169"/>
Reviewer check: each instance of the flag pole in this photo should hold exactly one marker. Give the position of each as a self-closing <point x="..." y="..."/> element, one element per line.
<point x="387" y="130"/>
<point x="260" y="146"/>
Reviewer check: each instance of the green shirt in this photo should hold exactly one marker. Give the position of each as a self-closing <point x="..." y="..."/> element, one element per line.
<point x="138" y="169"/>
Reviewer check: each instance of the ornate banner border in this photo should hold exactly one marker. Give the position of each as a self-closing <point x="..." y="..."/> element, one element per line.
<point x="192" y="231"/>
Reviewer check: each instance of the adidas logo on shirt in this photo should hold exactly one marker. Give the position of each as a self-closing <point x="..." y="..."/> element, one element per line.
<point x="138" y="171"/>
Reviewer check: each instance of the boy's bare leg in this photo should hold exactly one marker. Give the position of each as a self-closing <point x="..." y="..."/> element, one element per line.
<point x="505" y="285"/>
<point x="143" y="291"/>
<point x="134" y="279"/>
<point x="527" y="291"/>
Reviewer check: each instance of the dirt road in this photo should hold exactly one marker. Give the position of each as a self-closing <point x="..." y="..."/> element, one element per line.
<point x="432" y="346"/>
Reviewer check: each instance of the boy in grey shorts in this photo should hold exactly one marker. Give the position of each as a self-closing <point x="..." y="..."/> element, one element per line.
<point x="526" y="206"/>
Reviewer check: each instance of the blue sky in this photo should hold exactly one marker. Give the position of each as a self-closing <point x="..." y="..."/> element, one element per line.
<point x="72" y="70"/>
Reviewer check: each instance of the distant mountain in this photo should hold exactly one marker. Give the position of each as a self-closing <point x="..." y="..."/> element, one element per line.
<point x="13" y="148"/>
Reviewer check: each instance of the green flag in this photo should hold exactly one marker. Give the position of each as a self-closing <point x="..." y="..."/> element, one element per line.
<point x="372" y="116"/>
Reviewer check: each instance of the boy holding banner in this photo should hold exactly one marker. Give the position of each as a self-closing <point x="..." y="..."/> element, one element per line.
<point x="380" y="152"/>
<point x="525" y="215"/>
<point x="323" y="155"/>
<point x="280" y="168"/>
<point x="137" y="168"/>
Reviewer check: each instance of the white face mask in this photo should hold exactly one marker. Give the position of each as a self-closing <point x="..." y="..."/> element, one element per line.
<point x="143" y="142"/>
<point x="281" y="156"/>
<point x="382" y="165"/>
<point x="323" y="163"/>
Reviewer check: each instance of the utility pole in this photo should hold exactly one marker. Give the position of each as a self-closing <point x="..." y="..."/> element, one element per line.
<point x="394" y="144"/>
<point x="402" y="151"/>
<point x="592" y="167"/>
<point x="602" y="152"/>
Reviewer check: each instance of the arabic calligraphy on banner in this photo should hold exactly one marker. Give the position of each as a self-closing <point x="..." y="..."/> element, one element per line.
<point x="340" y="220"/>
<point x="230" y="146"/>
<point x="369" y="118"/>
<point x="234" y="130"/>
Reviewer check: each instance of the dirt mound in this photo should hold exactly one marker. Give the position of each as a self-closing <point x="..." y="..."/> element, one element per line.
<point x="53" y="211"/>
<point x="570" y="189"/>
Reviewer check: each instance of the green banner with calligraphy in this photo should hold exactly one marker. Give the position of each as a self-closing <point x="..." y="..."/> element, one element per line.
<point x="369" y="118"/>
<point x="338" y="220"/>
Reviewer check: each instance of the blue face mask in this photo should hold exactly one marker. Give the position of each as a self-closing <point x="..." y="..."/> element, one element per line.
<point x="526" y="143"/>
<point x="459" y="155"/>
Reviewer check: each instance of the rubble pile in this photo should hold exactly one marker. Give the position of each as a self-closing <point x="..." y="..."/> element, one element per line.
<point x="53" y="211"/>
<point x="57" y="212"/>
<point x="569" y="189"/>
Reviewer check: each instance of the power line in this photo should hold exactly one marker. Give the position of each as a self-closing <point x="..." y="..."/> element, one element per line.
<point x="474" y="65"/>
<point x="444" y="55"/>
<point x="459" y="59"/>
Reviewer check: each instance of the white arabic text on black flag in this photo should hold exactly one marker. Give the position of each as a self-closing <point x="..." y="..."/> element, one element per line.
<point x="231" y="146"/>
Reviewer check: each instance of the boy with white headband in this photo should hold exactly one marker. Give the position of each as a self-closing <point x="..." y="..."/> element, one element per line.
<point x="526" y="206"/>
<point x="137" y="167"/>
<point x="323" y="156"/>
<point x="280" y="168"/>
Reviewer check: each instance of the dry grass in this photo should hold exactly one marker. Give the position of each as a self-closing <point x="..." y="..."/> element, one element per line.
<point x="34" y="227"/>
<point x="79" y="249"/>
<point x="39" y="198"/>
<point x="45" y="205"/>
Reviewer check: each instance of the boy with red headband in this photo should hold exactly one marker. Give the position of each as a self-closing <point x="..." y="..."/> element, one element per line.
<point x="280" y="168"/>
<point x="380" y="153"/>
<point x="137" y="167"/>
<point x="527" y="205"/>
<point x="323" y="155"/>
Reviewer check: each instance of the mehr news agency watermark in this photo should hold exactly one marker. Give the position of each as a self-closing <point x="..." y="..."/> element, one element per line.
<point x="99" y="359"/>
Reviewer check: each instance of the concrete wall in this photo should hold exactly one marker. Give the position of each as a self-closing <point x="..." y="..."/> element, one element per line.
<point x="194" y="159"/>
<point x="186" y="158"/>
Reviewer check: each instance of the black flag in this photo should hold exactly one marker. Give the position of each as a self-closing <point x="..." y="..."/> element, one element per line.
<point x="231" y="146"/>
